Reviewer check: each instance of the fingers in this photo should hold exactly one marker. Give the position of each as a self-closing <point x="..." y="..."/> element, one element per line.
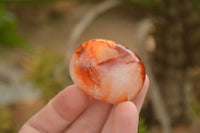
<point x="61" y="111"/>
<point x="125" y="118"/>
<point x="67" y="106"/>
<point x="92" y="119"/>
<point x="139" y="99"/>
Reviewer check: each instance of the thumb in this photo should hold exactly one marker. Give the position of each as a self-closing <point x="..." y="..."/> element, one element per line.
<point x="125" y="118"/>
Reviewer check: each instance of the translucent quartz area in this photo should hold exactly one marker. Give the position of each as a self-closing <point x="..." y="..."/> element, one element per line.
<point x="107" y="71"/>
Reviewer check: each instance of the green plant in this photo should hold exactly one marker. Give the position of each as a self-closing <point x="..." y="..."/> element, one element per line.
<point x="46" y="70"/>
<point x="8" y="24"/>
<point x="195" y="109"/>
<point x="142" y="128"/>
<point x="6" y="124"/>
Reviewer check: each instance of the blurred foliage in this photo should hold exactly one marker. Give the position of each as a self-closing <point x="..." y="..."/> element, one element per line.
<point x="46" y="70"/>
<point x="6" y="124"/>
<point x="8" y="24"/>
<point x="195" y="109"/>
<point x="142" y="128"/>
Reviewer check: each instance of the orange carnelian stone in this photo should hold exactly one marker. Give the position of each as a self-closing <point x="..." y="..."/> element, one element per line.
<point x="107" y="71"/>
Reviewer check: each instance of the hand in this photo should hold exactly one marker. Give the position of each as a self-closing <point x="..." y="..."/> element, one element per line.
<point x="71" y="111"/>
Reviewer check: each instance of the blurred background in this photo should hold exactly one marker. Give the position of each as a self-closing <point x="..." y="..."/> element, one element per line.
<point x="37" y="38"/>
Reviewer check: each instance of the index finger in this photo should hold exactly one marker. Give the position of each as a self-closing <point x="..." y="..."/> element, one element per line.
<point x="61" y="111"/>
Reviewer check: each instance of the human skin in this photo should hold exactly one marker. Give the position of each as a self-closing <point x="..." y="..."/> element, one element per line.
<point x="72" y="111"/>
